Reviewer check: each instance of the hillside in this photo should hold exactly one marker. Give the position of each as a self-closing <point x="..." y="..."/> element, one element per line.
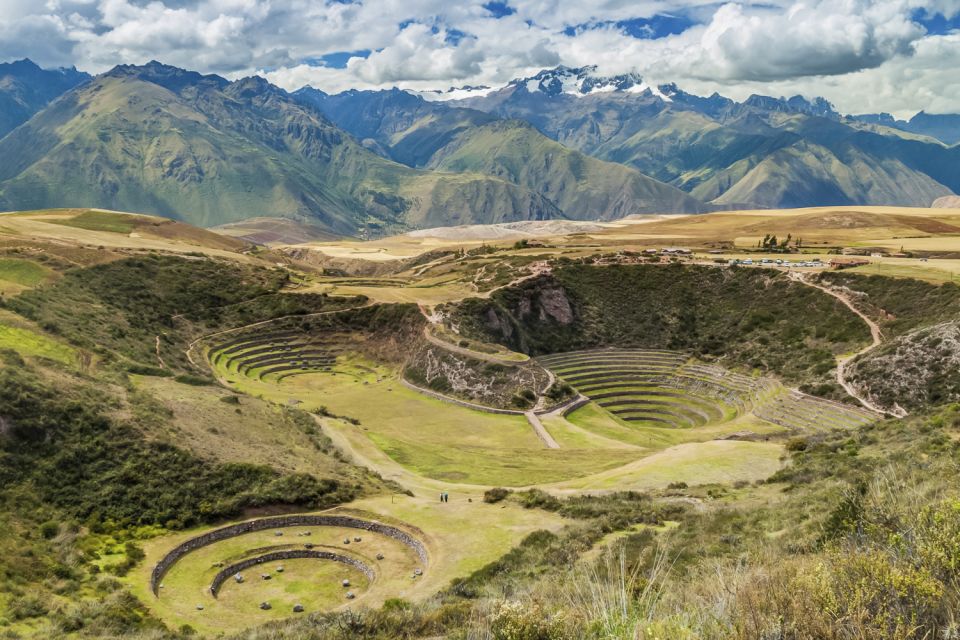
<point x="764" y="151"/>
<point x="432" y="135"/>
<point x="161" y="140"/>
<point x="25" y="89"/>
<point x="748" y="318"/>
<point x="200" y="442"/>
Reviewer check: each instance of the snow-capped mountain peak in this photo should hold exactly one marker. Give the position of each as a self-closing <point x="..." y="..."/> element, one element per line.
<point x="455" y="93"/>
<point x="583" y="81"/>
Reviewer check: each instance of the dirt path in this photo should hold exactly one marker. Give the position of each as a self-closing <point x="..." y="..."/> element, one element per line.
<point x="542" y="399"/>
<point x="163" y="365"/>
<point x="842" y="361"/>
<point x="541" y="431"/>
<point x="470" y="353"/>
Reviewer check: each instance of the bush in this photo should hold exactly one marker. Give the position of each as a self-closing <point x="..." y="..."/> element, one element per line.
<point x="49" y="530"/>
<point x="516" y="621"/>
<point x="492" y="496"/>
<point x="27" y="606"/>
<point x="196" y="381"/>
<point x="537" y="499"/>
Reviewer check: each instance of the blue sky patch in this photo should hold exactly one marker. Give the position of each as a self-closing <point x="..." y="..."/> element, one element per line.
<point x="658" y="26"/>
<point x="337" y="59"/>
<point x="499" y="9"/>
<point x="936" y="24"/>
<point x="451" y="36"/>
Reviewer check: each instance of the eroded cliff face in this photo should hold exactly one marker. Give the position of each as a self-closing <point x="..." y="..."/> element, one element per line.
<point x="914" y="370"/>
<point x="476" y="381"/>
<point x="553" y="303"/>
<point x="543" y="304"/>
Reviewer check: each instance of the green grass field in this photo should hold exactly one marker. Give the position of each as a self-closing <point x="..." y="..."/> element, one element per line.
<point x="594" y="419"/>
<point x="935" y="271"/>
<point x="25" y="273"/>
<point x="439" y="440"/>
<point x="432" y="437"/>
<point x="316" y="584"/>
<point x="101" y="221"/>
<point x="31" y="344"/>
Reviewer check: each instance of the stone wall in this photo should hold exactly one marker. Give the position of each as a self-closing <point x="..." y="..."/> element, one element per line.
<point x="279" y="522"/>
<point x="575" y="404"/>
<point x="462" y="403"/>
<point x="289" y="554"/>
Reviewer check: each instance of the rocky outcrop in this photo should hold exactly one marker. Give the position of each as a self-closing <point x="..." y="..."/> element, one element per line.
<point x="475" y="381"/>
<point x="914" y="370"/>
<point x="947" y="202"/>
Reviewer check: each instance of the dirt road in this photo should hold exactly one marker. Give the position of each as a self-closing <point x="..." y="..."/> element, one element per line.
<point x="842" y="361"/>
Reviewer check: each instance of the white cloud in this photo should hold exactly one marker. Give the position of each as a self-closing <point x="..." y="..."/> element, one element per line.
<point x="862" y="54"/>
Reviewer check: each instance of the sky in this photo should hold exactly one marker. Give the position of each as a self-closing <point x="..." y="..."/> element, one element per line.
<point x="865" y="56"/>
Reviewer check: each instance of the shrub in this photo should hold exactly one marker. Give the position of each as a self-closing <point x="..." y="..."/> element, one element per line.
<point x="492" y="496"/>
<point x="49" y="530"/>
<point x="517" y="621"/>
<point x="27" y="606"/>
<point x="196" y="381"/>
<point x="537" y="499"/>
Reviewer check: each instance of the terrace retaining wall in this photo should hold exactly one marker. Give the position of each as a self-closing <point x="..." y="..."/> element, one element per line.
<point x="289" y="554"/>
<point x="462" y="403"/>
<point x="279" y="522"/>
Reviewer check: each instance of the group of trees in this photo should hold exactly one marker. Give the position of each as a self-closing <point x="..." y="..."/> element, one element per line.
<point x="772" y="244"/>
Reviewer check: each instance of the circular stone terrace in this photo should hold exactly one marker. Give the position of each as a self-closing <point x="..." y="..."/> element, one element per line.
<point x="269" y="568"/>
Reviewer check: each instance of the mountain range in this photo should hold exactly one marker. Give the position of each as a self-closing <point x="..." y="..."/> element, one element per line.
<point x="764" y="151"/>
<point x="565" y="143"/>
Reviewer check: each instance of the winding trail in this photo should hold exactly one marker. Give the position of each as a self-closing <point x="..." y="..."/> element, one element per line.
<point x="842" y="361"/>
<point x="470" y="353"/>
<point x="541" y="431"/>
<point x="163" y="365"/>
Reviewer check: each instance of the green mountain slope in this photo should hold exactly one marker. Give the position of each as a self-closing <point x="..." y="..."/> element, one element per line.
<point x="431" y="135"/>
<point x="768" y="152"/>
<point x="25" y="88"/>
<point x="582" y="186"/>
<point x="161" y="140"/>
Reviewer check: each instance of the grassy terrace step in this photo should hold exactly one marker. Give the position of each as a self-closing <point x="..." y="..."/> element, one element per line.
<point x="796" y="417"/>
<point x="669" y="388"/>
<point x="687" y="414"/>
<point x="555" y="358"/>
<point x="806" y="413"/>
<point x="252" y="348"/>
<point x="656" y="421"/>
<point x="829" y="405"/>
<point x="701" y="386"/>
<point x="587" y="372"/>
<point x="795" y="421"/>
<point x="617" y="358"/>
<point x="714" y="407"/>
<point x="741" y="383"/>
<point x="304" y="349"/>
<point x="613" y="365"/>
<point x="282" y="347"/>
<point x="318" y="358"/>
<point x="639" y="360"/>
<point x="286" y="371"/>
<point x="238" y="342"/>
<point x="312" y="363"/>
<point x="706" y="408"/>
<point x="675" y="420"/>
